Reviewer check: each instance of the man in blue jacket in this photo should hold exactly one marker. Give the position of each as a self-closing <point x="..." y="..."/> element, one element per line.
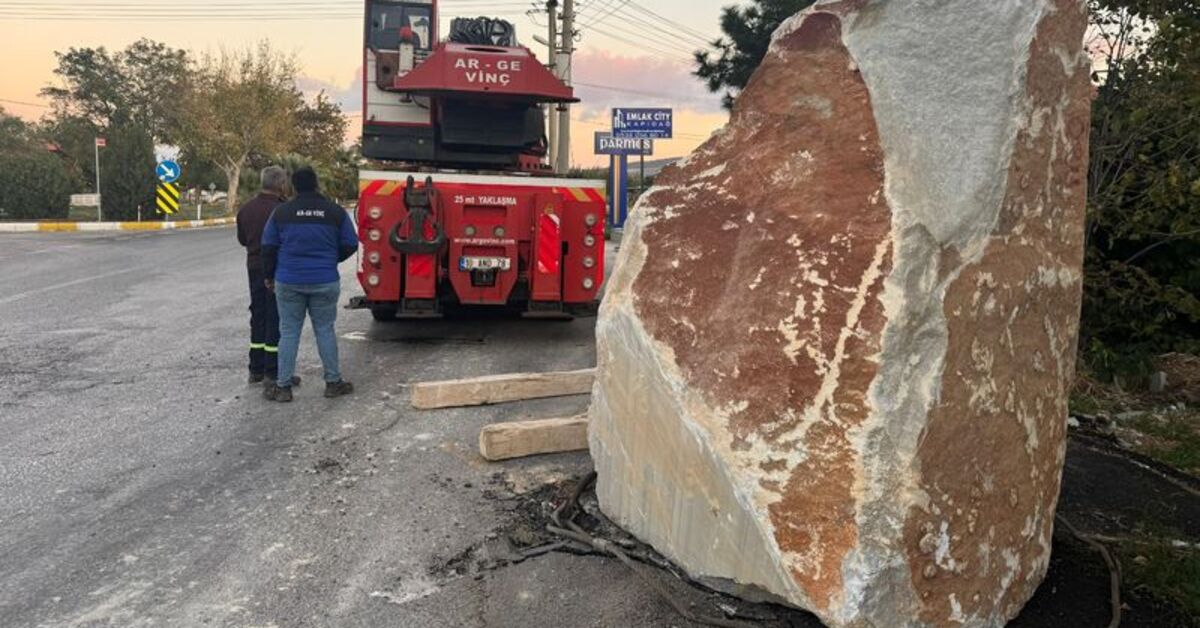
<point x="302" y="244"/>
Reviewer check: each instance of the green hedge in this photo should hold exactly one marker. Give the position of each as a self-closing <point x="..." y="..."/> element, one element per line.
<point x="34" y="185"/>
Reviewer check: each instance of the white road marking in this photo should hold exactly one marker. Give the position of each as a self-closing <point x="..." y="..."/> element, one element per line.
<point x="52" y="249"/>
<point x="67" y="284"/>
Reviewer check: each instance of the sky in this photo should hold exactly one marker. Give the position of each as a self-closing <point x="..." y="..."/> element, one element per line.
<point x="630" y="52"/>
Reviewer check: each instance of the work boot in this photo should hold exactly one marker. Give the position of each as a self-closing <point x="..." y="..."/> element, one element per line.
<point x="295" y="380"/>
<point x="256" y="378"/>
<point x="338" y="388"/>
<point x="277" y="393"/>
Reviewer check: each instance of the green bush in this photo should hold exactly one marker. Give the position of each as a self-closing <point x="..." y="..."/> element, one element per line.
<point x="1142" y="270"/>
<point x="34" y="185"/>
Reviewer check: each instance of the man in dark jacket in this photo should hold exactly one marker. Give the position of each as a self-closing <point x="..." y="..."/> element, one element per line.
<point x="302" y="245"/>
<point x="264" y="319"/>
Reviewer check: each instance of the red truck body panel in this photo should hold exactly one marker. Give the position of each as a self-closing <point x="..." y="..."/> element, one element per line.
<point x="530" y="242"/>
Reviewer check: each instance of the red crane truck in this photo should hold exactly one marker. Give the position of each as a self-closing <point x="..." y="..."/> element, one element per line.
<point x="471" y="214"/>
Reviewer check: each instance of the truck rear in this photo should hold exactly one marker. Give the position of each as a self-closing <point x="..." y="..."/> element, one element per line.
<point x="432" y="240"/>
<point x="470" y="212"/>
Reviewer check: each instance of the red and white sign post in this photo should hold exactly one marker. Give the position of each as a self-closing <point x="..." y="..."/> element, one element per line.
<point x="100" y="143"/>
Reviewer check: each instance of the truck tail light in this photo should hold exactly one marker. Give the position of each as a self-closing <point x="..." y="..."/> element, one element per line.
<point x="588" y="283"/>
<point x="373" y="257"/>
<point x="589" y="240"/>
<point x="588" y="261"/>
<point x="374" y="235"/>
<point x="375" y="213"/>
<point x="373" y="279"/>
<point x="590" y="220"/>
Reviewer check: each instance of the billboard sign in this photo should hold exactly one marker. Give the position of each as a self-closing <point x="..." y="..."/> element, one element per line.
<point x="606" y="144"/>
<point x="643" y="123"/>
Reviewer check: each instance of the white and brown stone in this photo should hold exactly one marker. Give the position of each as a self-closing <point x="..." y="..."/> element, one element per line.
<point x="834" y="355"/>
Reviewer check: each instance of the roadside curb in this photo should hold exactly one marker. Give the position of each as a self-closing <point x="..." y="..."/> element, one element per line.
<point x="24" y="227"/>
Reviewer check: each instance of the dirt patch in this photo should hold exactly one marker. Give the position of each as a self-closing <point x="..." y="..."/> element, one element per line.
<point x="1163" y="424"/>
<point x="327" y="465"/>
<point x="1182" y="373"/>
<point x="1098" y="483"/>
<point x="1172" y="436"/>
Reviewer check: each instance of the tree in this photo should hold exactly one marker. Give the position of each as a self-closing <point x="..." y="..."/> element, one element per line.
<point x="127" y="172"/>
<point x="126" y="97"/>
<point x="733" y="58"/>
<point x="14" y="133"/>
<point x="1142" y="271"/>
<point x="34" y="181"/>
<point x="137" y="85"/>
<point x="321" y="129"/>
<point x="244" y="105"/>
<point x="340" y="175"/>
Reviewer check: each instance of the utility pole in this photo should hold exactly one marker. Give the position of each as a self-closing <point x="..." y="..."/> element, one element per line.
<point x="552" y="42"/>
<point x="96" y="146"/>
<point x="562" y="67"/>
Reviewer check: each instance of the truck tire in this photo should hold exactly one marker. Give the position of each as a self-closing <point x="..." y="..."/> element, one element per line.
<point x="383" y="313"/>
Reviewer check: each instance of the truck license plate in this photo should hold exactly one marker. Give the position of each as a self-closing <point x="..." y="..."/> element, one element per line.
<point x="483" y="263"/>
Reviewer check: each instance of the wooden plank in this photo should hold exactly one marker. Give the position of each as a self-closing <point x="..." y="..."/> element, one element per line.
<point x="516" y="439"/>
<point x="479" y="391"/>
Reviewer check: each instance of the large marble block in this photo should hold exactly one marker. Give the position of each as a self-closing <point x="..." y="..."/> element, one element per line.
<point x="835" y="352"/>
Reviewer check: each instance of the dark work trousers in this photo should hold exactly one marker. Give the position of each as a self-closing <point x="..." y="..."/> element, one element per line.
<point x="264" y="328"/>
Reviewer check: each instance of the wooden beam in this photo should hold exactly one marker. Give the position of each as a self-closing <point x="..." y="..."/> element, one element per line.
<point x="517" y="439"/>
<point x="479" y="391"/>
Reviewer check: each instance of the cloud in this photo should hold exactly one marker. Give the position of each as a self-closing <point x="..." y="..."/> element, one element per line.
<point x="604" y="80"/>
<point x="347" y="95"/>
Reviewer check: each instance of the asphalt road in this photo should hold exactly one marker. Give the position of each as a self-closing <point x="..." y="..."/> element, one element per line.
<point x="144" y="483"/>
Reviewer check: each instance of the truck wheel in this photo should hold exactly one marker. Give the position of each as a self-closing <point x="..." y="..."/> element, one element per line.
<point x="383" y="313"/>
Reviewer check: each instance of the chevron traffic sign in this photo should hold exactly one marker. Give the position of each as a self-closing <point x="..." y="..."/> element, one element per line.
<point x="167" y="198"/>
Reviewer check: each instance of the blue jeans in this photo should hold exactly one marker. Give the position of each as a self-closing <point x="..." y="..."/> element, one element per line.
<point x="320" y="302"/>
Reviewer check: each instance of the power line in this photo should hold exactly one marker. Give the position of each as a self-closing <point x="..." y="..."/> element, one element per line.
<point x="671" y="22"/>
<point x="657" y="33"/>
<point x="669" y="56"/>
<point x="229" y="10"/>
<point x="625" y="90"/>
<point x="595" y="7"/>
<point x="672" y="31"/>
<point x="601" y="18"/>
<point x="211" y="16"/>
<point x="222" y="9"/>
<point x="173" y="18"/>
<point x="348" y="4"/>
<point x="27" y="104"/>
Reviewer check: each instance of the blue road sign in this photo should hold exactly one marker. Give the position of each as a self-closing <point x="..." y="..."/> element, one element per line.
<point x="642" y="123"/>
<point x="606" y="144"/>
<point x="167" y="171"/>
